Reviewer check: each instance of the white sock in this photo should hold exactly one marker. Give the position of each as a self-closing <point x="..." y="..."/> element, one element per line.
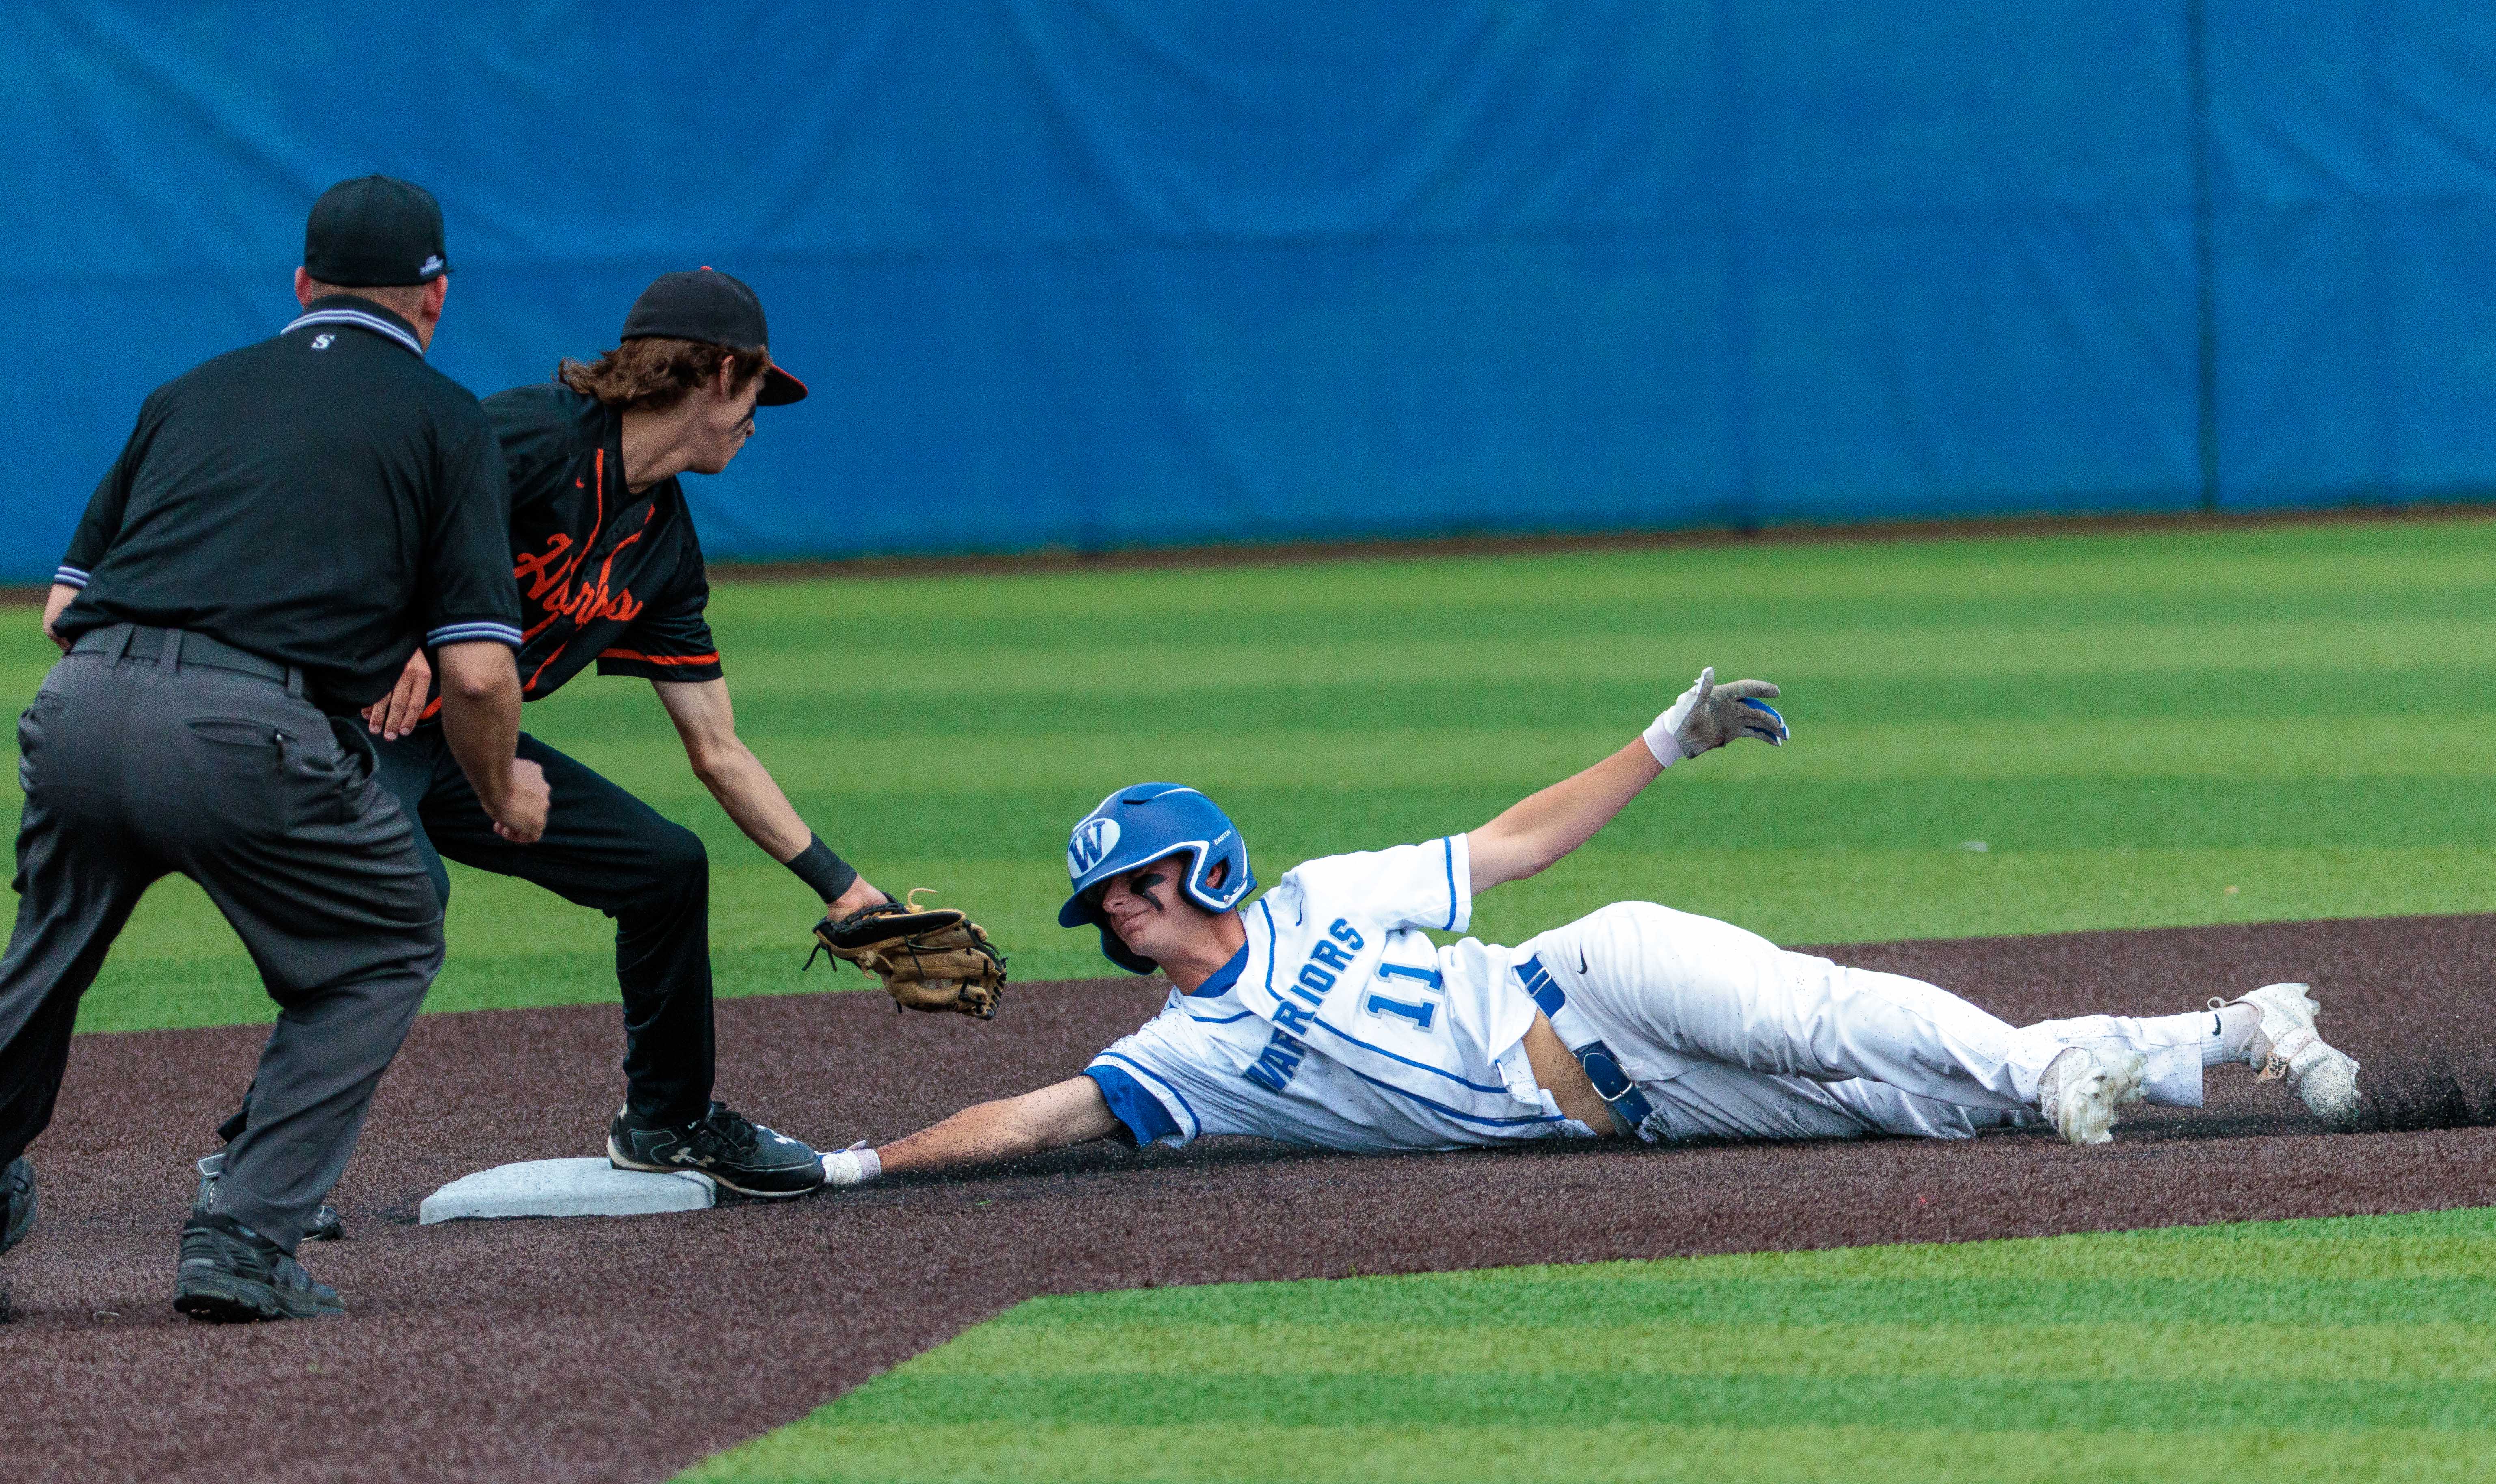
<point x="2233" y="1031"/>
<point x="2226" y="1035"/>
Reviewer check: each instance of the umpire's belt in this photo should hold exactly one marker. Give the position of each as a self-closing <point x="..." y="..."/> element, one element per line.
<point x="1630" y="1106"/>
<point x="179" y="647"/>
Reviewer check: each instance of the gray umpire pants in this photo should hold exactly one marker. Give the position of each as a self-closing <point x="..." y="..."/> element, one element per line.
<point x="137" y="764"/>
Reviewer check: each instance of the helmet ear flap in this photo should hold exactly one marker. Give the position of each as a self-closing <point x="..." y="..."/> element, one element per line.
<point x="1209" y="878"/>
<point x="1221" y="876"/>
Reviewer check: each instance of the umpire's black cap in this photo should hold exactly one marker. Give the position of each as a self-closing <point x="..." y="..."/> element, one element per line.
<point x="709" y="307"/>
<point x="375" y="233"/>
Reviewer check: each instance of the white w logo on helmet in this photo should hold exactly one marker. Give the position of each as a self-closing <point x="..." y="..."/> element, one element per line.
<point x="1093" y="839"/>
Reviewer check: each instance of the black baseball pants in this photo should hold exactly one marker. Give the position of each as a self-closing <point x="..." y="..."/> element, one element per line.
<point x="603" y="848"/>
<point x="137" y="765"/>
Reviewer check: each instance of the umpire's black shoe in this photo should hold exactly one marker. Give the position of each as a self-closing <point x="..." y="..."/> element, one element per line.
<point x="233" y="1274"/>
<point x="16" y="1202"/>
<point x="325" y="1226"/>
<point x="743" y="1156"/>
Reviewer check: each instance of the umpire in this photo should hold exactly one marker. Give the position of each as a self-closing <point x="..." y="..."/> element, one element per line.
<point x="288" y="522"/>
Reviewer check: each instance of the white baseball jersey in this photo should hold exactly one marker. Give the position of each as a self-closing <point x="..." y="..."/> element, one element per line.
<point x="1341" y="1024"/>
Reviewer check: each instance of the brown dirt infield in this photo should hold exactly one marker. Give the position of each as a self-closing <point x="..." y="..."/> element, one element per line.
<point x="627" y="1349"/>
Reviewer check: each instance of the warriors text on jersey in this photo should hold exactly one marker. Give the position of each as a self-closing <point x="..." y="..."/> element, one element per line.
<point x="1341" y="1024"/>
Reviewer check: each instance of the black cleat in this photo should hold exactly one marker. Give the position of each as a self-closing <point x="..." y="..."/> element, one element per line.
<point x="16" y="1202"/>
<point x="743" y="1156"/>
<point x="325" y="1226"/>
<point x="231" y="1274"/>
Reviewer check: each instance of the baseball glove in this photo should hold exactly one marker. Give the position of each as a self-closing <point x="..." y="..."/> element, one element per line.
<point x="930" y="958"/>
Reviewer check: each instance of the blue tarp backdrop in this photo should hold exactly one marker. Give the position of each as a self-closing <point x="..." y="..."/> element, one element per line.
<point x="1108" y="273"/>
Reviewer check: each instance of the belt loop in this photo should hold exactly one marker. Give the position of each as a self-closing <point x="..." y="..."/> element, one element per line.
<point x="294" y="681"/>
<point x="118" y="644"/>
<point x="170" y="661"/>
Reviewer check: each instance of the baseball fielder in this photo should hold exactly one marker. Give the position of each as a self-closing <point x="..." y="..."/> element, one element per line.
<point x="1324" y="1014"/>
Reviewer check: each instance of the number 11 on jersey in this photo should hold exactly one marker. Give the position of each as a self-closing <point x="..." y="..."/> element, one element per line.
<point x="1419" y="1011"/>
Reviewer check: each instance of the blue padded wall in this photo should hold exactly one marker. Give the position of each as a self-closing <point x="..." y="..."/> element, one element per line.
<point x="1144" y="272"/>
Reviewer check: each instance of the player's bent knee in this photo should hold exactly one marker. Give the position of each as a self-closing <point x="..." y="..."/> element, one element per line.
<point x="1634" y="918"/>
<point x="1639" y="912"/>
<point x="679" y="863"/>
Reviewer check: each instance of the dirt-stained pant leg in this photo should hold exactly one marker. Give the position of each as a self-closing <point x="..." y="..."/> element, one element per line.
<point x="1712" y="1102"/>
<point x="253" y="793"/>
<point x="1677" y="993"/>
<point x="1719" y="1102"/>
<point x="2169" y="1047"/>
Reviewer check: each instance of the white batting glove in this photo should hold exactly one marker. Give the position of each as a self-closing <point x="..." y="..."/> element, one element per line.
<point x="1710" y="714"/>
<point x="854" y="1166"/>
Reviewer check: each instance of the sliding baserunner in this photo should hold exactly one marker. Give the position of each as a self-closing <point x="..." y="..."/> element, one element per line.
<point x="1322" y="1014"/>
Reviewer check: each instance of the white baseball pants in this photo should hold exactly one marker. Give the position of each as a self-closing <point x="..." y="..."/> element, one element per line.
<point x="1731" y="1037"/>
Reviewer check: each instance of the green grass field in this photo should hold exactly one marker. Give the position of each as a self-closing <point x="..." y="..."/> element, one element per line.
<point x="2141" y="729"/>
<point x="2339" y="1351"/>
<point x="2131" y="724"/>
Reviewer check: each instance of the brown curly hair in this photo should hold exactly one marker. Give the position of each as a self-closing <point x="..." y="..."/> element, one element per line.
<point x="653" y="373"/>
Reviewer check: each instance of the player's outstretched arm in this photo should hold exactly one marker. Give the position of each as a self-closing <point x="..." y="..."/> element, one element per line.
<point x="705" y="723"/>
<point x="1068" y="1112"/>
<point x="1542" y="827"/>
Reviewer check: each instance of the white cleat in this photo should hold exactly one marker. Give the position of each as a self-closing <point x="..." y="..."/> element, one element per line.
<point x="2322" y="1076"/>
<point x="2084" y="1086"/>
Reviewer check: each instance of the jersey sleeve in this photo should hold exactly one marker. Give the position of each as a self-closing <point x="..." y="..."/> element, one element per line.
<point x="469" y="595"/>
<point x="671" y="645"/>
<point x="104" y="509"/>
<point x="1140" y="1112"/>
<point x="1141" y="1083"/>
<point x="1166" y="1087"/>
<point x="1426" y="885"/>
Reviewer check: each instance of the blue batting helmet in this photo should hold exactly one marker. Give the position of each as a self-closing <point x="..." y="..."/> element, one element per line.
<point x="1136" y="826"/>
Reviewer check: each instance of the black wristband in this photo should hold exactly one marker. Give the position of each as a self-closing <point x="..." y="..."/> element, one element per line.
<point x="817" y="867"/>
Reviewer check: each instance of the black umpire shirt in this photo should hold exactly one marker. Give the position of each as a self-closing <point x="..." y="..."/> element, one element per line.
<point x="323" y="499"/>
<point x="604" y="574"/>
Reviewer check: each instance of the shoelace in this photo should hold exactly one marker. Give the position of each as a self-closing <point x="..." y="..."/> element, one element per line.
<point x="734" y="1130"/>
<point x="2276" y="1066"/>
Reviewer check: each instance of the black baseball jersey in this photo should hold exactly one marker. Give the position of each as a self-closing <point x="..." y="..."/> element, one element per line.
<point x="324" y="499"/>
<point x="604" y="574"/>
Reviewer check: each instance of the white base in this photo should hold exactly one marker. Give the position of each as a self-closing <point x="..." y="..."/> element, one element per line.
<point x="589" y="1187"/>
